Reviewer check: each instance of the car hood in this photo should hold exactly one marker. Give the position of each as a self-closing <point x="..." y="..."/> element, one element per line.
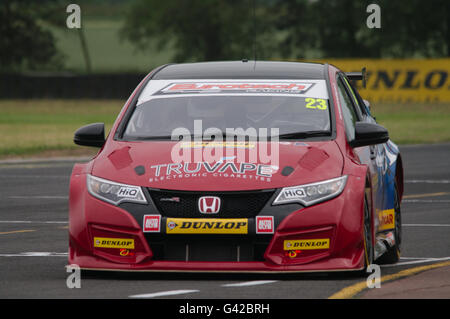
<point x="153" y="164"/>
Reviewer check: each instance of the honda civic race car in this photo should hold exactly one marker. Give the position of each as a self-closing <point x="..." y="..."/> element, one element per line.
<point x="238" y="166"/>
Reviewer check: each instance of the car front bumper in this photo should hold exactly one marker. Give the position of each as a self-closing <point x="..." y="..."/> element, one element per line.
<point x="339" y="220"/>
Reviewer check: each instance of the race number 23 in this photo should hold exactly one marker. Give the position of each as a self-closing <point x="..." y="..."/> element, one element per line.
<point x="318" y="104"/>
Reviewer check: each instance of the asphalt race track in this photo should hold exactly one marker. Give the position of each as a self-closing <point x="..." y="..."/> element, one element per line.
<point x="33" y="240"/>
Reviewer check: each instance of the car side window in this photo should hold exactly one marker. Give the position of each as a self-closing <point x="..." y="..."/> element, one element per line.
<point x="348" y="111"/>
<point x="356" y="97"/>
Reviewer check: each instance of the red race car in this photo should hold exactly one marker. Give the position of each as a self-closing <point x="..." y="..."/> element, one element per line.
<point x="238" y="166"/>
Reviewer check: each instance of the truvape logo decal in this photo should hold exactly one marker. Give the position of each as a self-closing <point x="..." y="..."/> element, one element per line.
<point x="245" y="171"/>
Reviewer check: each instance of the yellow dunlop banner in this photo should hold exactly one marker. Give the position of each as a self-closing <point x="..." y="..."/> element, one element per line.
<point x="102" y="242"/>
<point x="307" y="244"/>
<point x="207" y="226"/>
<point x="401" y="80"/>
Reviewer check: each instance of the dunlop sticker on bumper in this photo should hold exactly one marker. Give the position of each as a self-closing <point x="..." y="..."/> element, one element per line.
<point x="386" y="219"/>
<point x="102" y="242"/>
<point x="307" y="244"/>
<point x="206" y="226"/>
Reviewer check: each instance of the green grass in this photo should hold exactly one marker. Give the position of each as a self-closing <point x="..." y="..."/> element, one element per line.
<point x="46" y="127"/>
<point x="29" y="127"/>
<point x="415" y="123"/>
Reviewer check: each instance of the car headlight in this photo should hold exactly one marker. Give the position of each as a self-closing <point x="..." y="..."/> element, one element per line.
<point x="114" y="193"/>
<point x="311" y="194"/>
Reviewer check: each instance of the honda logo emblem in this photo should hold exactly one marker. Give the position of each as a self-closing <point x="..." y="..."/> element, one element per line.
<point x="209" y="204"/>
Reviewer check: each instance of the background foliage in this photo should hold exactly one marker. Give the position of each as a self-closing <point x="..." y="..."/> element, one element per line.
<point x="135" y="35"/>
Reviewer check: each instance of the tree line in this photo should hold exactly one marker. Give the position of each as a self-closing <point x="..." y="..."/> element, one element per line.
<point x="207" y="30"/>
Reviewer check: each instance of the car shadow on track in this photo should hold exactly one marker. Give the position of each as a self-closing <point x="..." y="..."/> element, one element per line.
<point x="180" y="276"/>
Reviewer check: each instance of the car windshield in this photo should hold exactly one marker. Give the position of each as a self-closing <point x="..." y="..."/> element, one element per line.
<point x="293" y="116"/>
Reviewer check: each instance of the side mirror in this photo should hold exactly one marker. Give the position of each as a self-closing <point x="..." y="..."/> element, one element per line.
<point x="369" y="134"/>
<point x="90" y="135"/>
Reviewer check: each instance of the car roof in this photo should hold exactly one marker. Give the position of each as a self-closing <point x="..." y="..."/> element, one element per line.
<point x="242" y="70"/>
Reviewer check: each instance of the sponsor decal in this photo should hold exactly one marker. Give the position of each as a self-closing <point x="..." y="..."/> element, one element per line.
<point x="249" y="171"/>
<point x="170" y="199"/>
<point x="265" y="225"/>
<point x="209" y="204"/>
<point x="236" y="87"/>
<point x="171" y="225"/>
<point x="152" y="224"/>
<point x="294" y="193"/>
<point x="316" y="104"/>
<point x="128" y="192"/>
<point x="102" y="242"/>
<point x="307" y="244"/>
<point x="292" y="253"/>
<point x="125" y="252"/>
<point x="207" y="226"/>
<point x="386" y="219"/>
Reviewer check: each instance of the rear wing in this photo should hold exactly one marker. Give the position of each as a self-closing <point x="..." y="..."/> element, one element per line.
<point x="357" y="76"/>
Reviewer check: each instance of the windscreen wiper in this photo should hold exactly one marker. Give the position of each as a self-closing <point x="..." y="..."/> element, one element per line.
<point x="307" y="134"/>
<point x="156" y="137"/>
<point x="181" y="137"/>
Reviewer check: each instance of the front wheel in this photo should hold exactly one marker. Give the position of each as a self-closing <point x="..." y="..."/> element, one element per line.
<point x="367" y="238"/>
<point x="368" y="235"/>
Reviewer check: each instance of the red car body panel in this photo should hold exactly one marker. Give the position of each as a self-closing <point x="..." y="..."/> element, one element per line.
<point x="117" y="162"/>
<point x="339" y="219"/>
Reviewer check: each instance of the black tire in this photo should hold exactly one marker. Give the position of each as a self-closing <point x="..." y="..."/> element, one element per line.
<point x="368" y="235"/>
<point x="367" y="238"/>
<point x="392" y="255"/>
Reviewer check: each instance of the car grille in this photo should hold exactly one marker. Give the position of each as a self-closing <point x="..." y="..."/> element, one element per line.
<point x="209" y="248"/>
<point x="184" y="204"/>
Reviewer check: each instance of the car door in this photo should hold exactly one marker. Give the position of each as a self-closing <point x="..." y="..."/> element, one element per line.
<point x="374" y="155"/>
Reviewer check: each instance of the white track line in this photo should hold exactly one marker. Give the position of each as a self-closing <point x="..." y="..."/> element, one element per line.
<point x="416" y="262"/>
<point x="35" y="254"/>
<point x="250" y="283"/>
<point x="426" y="201"/>
<point x="428" y="181"/>
<point x="38" y="197"/>
<point x="164" y="293"/>
<point x="33" y="176"/>
<point x="426" y="225"/>
<point x="31" y="222"/>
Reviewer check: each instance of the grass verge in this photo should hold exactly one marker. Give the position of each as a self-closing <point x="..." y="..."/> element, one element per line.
<point x="415" y="123"/>
<point x="32" y="127"/>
